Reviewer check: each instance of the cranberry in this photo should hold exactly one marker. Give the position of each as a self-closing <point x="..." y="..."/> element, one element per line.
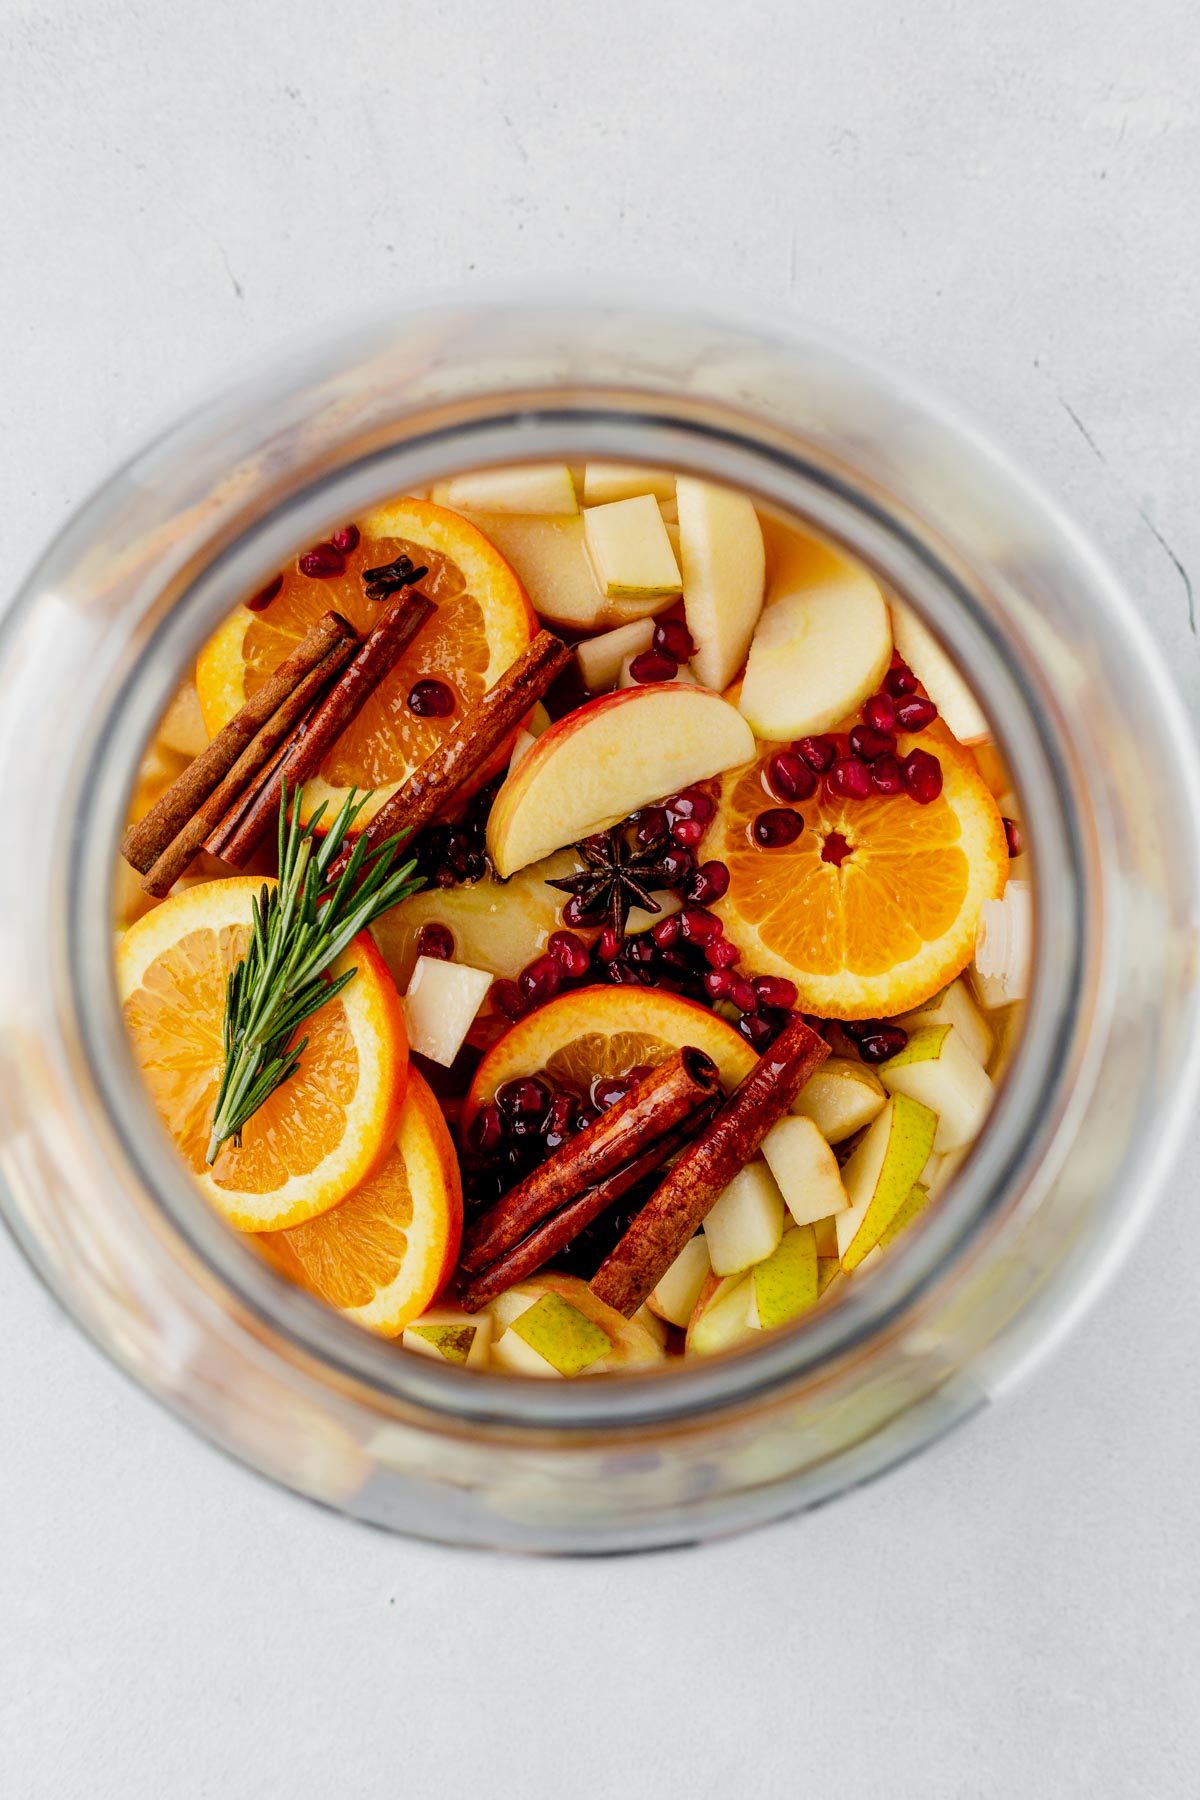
<point x="710" y="881"/>
<point x="677" y="865"/>
<point x="666" y="931"/>
<point x="569" y="951"/>
<point x="431" y="700"/>
<point x="652" y="824"/>
<point x="653" y="665"/>
<point x="899" y="681"/>
<point x="672" y="638"/>
<point x="692" y="804"/>
<point x="606" y="1090"/>
<point x="722" y="954"/>
<point x="608" y="945"/>
<point x="776" y="828"/>
<point x="322" y="563"/>
<point x="757" y="1032"/>
<point x="576" y="913"/>
<point x="915" y="713"/>
<point x="718" y="983"/>
<point x="868" y="743"/>
<point x="437" y="941"/>
<point x="776" y="991"/>
<point x="885" y="775"/>
<point x="1012" y="836"/>
<point x="789" y="776"/>
<point x="508" y="999"/>
<point x="524" y="1104"/>
<point x="887" y="1040"/>
<point x="541" y="980"/>
<point x="879" y="713"/>
<point x="485" y="1133"/>
<point x="818" y="753"/>
<point x="849" y="779"/>
<point x="922" y="776"/>
<point x="559" y="1121"/>
<point x="699" y="927"/>
<point x="742" y="993"/>
<point x="346" y="540"/>
<point x="687" y="832"/>
<point x="264" y="596"/>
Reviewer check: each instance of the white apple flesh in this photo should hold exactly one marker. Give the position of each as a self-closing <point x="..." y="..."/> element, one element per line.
<point x="625" y="481"/>
<point x="440" y="1006"/>
<point x="675" y="1297"/>
<point x="600" y="659"/>
<point x="815" y="657"/>
<point x="629" y="549"/>
<point x="938" y="676"/>
<point x="723" y="564"/>
<point x="542" y="488"/>
<point x="842" y="1097"/>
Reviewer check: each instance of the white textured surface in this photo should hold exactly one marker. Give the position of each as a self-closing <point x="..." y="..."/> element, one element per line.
<point x="1002" y="199"/>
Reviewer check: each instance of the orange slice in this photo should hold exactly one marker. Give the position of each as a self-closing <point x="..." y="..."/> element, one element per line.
<point x="889" y="924"/>
<point x="606" y="1031"/>
<point x="318" y="1135"/>
<point x="388" y="1249"/>
<point x="483" y="622"/>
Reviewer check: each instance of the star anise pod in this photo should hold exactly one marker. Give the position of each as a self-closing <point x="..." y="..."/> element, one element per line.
<point x="618" y="875"/>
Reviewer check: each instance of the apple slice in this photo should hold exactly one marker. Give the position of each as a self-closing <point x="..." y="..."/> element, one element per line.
<point x="549" y="560"/>
<point x="936" y="1068"/>
<point x="722" y="1315"/>
<point x="746" y="1222"/>
<point x="815" y="657"/>
<point x="625" y="481"/>
<point x="784" y="1284"/>
<point x="440" y="1006"/>
<point x="882" y="1173"/>
<point x="721" y="550"/>
<point x="805" y="1170"/>
<point x="559" y="1338"/>
<point x="601" y="658"/>
<point x="544" y="488"/>
<point x="842" y="1097"/>
<point x="954" y="1006"/>
<point x="629" y="549"/>
<point x="675" y="1297"/>
<point x="938" y="676"/>
<point x="605" y="760"/>
<point x="449" y="1335"/>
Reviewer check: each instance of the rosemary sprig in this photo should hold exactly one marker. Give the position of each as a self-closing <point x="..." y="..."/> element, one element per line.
<point x="301" y="926"/>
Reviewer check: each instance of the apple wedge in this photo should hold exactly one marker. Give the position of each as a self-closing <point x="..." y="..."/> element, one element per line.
<point x="600" y="659"/>
<point x="746" y="1221"/>
<point x="936" y="1068"/>
<point x="842" y="1097"/>
<point x="938" y="676"/>
<point x="675" y="1297"/>
<point x="605" y="760"/>
<point x="440" y="1006"/>
<point x="815" y="657"/>
<point x="882" y="1173"/>
<point x="784" y="1284"/>
<point x="630" y="552"/>
<point x="542" y="488"/>
<point x="805" y="1170"/>
<point x="625" y="481"/>
<point x="721" y="550"/>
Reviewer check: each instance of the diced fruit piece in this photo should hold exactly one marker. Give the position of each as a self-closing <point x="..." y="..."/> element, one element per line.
<point x="624" y="481"/>
<point x="799" y="559"/>
<point x="544" y="488"/>
<point x="936" y="1068"/>
<point x="640" y="920"/>
<point x="784" y="1284"/>
<point x="721" y="549"/>
<point x="938" y="676"/>
<point x="449" y="1335"/>
<point x="842" y="1097"/>
<point x="825" y="1233"/>
<point x="440" y="1006"/>
<point x="656" y="1326"/>
<point x="815" y="657"/>
<point x="954" y="1006"/>
<point x="881" y="1174"/>
<point x="917" y="1200"/>
<point x="523" y="742"/>
<point x="630" y="1343"/>
<point x="548" y="557"/>
<point x="805" y="1170"/>
<point x="1004" y="940"/>
<point x="602" y="658"/>
<point x="746" y="1222"/>
<point x="567" y="1339"/>
<point x="605" y="760"/>
<point x="628" y="679"/>
<point x="675" y="1297"/>
<point x="722" y="1316"/>
<point x="630" y="551"/>
<point x="827" y="1268"/>
<point x="181" y="727"/>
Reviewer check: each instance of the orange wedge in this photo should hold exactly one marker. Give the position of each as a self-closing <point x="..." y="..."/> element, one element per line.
<point x="483" y="622"/>
<point x="320" y="1134"/>
<point x="606" y="1031"/>
<point x="388" y="1249"/>
<point x="873" y="909"/>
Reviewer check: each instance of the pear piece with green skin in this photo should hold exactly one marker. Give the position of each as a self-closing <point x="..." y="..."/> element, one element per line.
<point x="815" y="657"/>
<point x="955" y="1006"/>
<point x="629" y="549"/>
<point x="542" y="488"/>
<point x="785" y="1283"/>
<point x="454" y="1337"/>
<point x="557" y="1331"/>
<point x="827" y="1268"/>
<point x="842" y="1097"/>
<point x="746" y="1222"/>
<point x="916" y="1202"/>
<point x="724" y="571"/>
<point x="675" y="1297"/>
<point x="722" y="1316"/>
<point x="936" y="1068"/>
<point x="805" y="1170"/>
<point x="881" y="1174"/>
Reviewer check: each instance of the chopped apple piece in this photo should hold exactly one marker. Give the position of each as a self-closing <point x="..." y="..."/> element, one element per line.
<point x="940" y="1171"/>
<point x="842" y="1097"/>
<point x="936" y="1068"/>
<point x="721" y="550"/>
<point x="805" y="1170"/>
<point x="651" y="1322"/>
<point x="440" y="1006"/>
<point x="549" y="560"/>
<point x="1004" y="940"/>
<point x="954" y="1006"/>
<point x="881" y="1174"/>
<point x="815" y="657"/>
<point x="684" y="673"/>
<point x="602" y="658"/>
<point x="181" y="727"/>
<point x="449" y="1335"/>
<point x="746" y="1222"/>
<point x="784" y="1284"/>
<point x="938" y="676"/>
<point x="625" y="481"/>
<point x="605" y="760"/>
<point x="544" y="488"/>
<point x="675" y="1297"/>
<point x="722" y="1315"/>
<point x="630" y="551"/>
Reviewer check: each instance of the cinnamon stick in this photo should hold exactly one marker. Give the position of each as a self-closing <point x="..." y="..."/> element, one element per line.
<point x="657" y="1102"/>
<point x="465" y="750"/>
<point x="235" y="841"/>
<point x="250" y="767"/>
<point x="675" y="1210"/>
<point x="145" y="842"/>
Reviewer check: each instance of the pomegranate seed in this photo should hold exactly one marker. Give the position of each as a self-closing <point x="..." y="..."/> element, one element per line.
<point x="687" y="832"/>
<point x="677" y="865"/>
<point x="776" y="828"/>
<point x="1012" y="836"/>
<point x="849" y="779"/>
<point x="568" y="950"/>
<point x="789" y="776"/>
<point x="756" y="1031"/>
<point x="710" y="881"/>
<point x="878" y="1045"/>
<point x="653" y="665"/>
<point x="576" y="913"/>
<point x="676" y="963"/>
<point x="818" y="753"/>
<point x="559" y="1120"/>
<point x="916" y="712"/>
<point x="673" y="639"/>
<point x="437" y="941"/>
<point x="776" y="991"/>
<point x="922" y="776"/>
<point x="587" y="1115"/>
<point x="700" y="927"/>
<point x="541" y="980"/>
<point x="880" y="713"/>
<point x="606" y="1090"/>
<point x="526" y="1097"/>
<point x="899" y="681"/>
<point x="885" y="775"/>
<point x="640" y="952"/>
<point x="608" y="945"/>
<point x="431" y="700"/>
<point x="742" y="993"/>
<point x="264" y="596"/>
<point x="665" y="932"/>
<point x="860" y="1028"/>
<point x="718" y="983"/>
<point x="508" y="999"/>
<point x="485" y="1133"/>
<point x="692" y="804"/>
<point x="346" y="540"/>
<point x="868" y="743"/>
<point x="322" y="563"/>
<point x="722" y="954"/>
<point x="652" y="824"/>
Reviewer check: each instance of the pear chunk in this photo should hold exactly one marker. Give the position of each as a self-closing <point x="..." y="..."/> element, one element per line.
<point x="936" y="1068"/>
<point x="784" y="1284"/>
<point x="440" y="1006"/>
<point x="543" y="488"/>
<point x="882" y="1173"/>
<point x="746" y="1222"/>
<point x="675" y="1297"/>
<point x="805" y="1170"/>
<point x="451" y="1336"/>
<point x="842" y="1097"/>
<point x="625" y="481"/>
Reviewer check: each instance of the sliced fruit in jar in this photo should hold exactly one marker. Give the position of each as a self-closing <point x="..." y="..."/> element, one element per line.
<point x="842" y="1097"/>
<point x="955" y="1006"/>
<point x="549" y="557"/>
<point x="181" y="727"/>
<point x="805" y="1170"/>
<point x="624" y="481"/>
<point x="602" y="658"/>
<point x="746" y="1221"/>
<point x="882" y="1173"/>
<point x="448" y="1335"/>
<point x="721" y="549"/>
<point x="722" y="1316"/>
<point x="816" y="656"/>
<point x="936" y="1068"/>
<point x="320" y="1134"/>
<point x="872" y="907"/>
<point x="483" y="622"/>
<point x="572" y="1331"/>
<point x="630" y="552"/>
<point x="388" y="1248"/>
<point x="440" y="1006"/>
<point x="544" y="488"/>
<point x="915" y="1204"/>
<point x="602" y="762"/>
<point x="784" y="1284"/>
<point x="938" y="676"/>
<point x="604" y="1032"/>
<point x="675" y="1297"/>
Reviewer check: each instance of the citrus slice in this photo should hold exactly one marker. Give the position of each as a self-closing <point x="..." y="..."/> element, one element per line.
<point x="873" y="908"/>
<point x="606" y="1031"/>
<point x="318" y="1135"/>
<point x="483" y="622"/>
<point x="387" y="1250"/>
